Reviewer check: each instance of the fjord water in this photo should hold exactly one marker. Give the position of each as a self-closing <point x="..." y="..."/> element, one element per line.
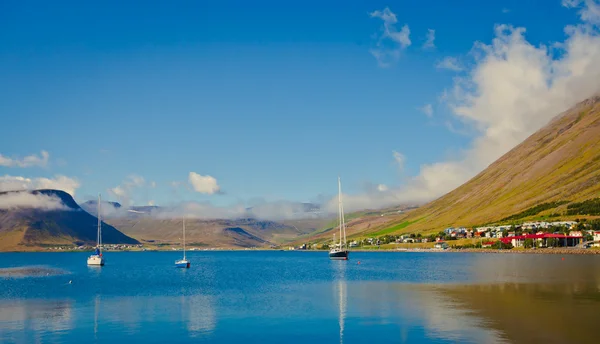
<point x="294" y="297"/>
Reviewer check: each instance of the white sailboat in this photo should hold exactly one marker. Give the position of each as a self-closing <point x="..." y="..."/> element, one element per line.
<point x="183" y="263"/>
<point x="340" y="251"/>
<point x="97" y="258"/>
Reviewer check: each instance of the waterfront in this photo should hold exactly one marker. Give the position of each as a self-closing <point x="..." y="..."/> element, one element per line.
<point x="273" y="296"/>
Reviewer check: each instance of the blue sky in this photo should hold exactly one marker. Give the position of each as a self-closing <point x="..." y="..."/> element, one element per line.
<point x="273" y="99"/>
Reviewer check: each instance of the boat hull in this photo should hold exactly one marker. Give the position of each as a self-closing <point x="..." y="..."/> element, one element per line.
<point x="182" y="264"/>
<point x="95" y="260"/>
<point x="339" y="255"/>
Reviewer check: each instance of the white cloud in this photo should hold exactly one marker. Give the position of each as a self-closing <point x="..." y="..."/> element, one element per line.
<point x="280" y="210"/>
<point x="28" y="161"/>
<point x="123" y="192"/>
<point x="382" y="187"/>
<point x="589" y="10"/>
<point x="427" y="109"/>
<point x="153" y="184"/>
<point x="399" y="159"/>
<point x="14" y="200"/>
<point x="59" y="182"/>
<point x="429" y="43"/>
<point x="150" y="202"/>
<point x="203" y="184"/>
<point x="391" y="41"/>
<point x="118" y="191"/>
<point x="513" y="89"/>
<point x="450" y="63"/>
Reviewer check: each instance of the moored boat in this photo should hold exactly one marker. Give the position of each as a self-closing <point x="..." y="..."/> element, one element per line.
<point x="97" y="258"/>
<point x="183" y="263"/>
<point x="340" y="250"/>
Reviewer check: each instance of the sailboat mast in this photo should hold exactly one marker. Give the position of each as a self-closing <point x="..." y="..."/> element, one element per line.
<point x="340" y="208"/>
<point x="343" y="224"/>
<point x="99" y="239"/>
<point x="184" y="238"/>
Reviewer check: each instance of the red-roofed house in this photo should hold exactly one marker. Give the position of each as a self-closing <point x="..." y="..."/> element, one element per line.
<point x="564" y="240"/>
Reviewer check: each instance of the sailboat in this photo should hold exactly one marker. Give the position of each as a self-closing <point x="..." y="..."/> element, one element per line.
<point x="97" y="258"/>
<point x="340" y="251"/>
<point x="183" y="263"/>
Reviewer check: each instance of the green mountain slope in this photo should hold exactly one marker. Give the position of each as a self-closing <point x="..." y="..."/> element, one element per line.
<point x="554" y="167"/>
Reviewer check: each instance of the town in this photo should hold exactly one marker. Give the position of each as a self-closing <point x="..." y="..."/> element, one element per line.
<point x="579" y="233"/>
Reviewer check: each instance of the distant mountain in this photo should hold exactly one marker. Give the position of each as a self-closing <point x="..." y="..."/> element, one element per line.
<point x="244" y="232"/>
<point x="54" y="218"/>
<point x="115" y="209"/>
<point x="91" y="206"/>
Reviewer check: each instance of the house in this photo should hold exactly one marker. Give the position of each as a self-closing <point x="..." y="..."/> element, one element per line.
<point x="408" y="240"/>
<point x="564" y="240"/>
<point x="460" y="235"/>
<point x="440" y="245"/>
<point x="424" y="240"/>
<point x="596" y="239"/>
<point x="487" y="244"/>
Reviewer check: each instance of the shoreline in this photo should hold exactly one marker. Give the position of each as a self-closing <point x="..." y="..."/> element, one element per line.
<point x="580" y="251"/>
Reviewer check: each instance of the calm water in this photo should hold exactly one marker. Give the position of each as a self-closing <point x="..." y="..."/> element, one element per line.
<point x="272" y="297"/>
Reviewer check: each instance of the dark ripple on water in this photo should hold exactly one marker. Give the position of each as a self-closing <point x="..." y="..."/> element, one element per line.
<point x="31" y="271"/>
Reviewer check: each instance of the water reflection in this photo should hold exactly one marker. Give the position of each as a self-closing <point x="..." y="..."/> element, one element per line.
<point x="200" y="314"/>
<point x="339" y="288"/>
<point x="31" y="320"/>
<point x="531" y="313"/>
<point x="536" y="268"/>
<point x="26" y="321"/>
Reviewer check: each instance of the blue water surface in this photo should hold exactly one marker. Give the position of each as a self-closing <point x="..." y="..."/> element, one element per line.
<point x="248" y="296"/>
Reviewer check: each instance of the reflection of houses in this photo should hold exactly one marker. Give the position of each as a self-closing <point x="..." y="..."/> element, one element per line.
<point x="562" y="240"/>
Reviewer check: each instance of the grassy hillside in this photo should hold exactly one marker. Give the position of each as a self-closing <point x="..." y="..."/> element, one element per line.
<point x="560" y="163"/>
<point x="547" y="174"/>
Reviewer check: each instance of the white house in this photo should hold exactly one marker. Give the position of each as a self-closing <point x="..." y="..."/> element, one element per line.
<point x="440" y="245"/>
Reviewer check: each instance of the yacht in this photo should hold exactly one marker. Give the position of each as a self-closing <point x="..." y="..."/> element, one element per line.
<point x="183" y="263"/>
<point x="97" y="258"/>
<point x="340" y="250"/>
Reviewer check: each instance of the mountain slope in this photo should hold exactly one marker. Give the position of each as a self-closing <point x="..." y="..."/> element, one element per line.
<point x="65" y="224"/>
<point x="245" y="232"/>
<point x="560" y="162"/>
